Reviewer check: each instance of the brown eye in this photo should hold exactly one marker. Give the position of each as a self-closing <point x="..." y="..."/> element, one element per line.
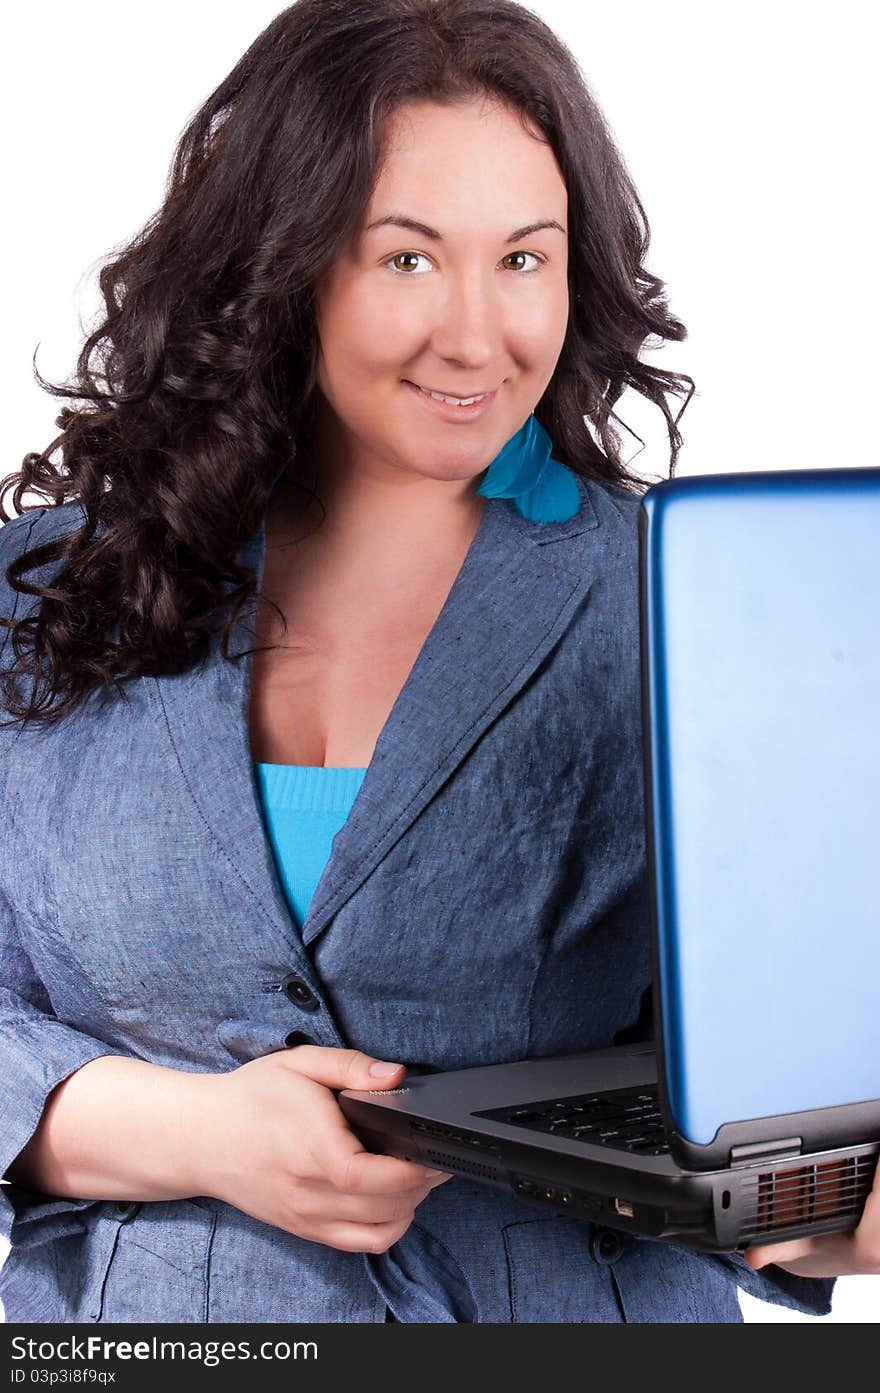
<point x="510" y="256"/>
<point x="404" y="256"/>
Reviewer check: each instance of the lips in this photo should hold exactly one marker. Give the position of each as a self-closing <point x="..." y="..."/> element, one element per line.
<point x="477" y="392"/>
<point x="453" y="411"/>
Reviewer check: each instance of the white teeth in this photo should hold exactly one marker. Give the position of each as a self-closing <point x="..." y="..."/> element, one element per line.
<point x="453" y="401"/>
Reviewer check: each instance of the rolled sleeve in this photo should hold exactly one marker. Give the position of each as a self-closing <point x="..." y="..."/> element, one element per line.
<point x="37" y="1052"/>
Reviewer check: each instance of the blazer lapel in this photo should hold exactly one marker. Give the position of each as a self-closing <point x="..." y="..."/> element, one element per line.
<point x="510" y="603"/>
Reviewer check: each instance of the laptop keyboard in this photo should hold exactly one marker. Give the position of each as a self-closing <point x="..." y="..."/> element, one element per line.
<point x="627" y="1119"/>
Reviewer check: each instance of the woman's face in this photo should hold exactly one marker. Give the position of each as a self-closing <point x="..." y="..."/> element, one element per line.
<point x="458" y="305"/>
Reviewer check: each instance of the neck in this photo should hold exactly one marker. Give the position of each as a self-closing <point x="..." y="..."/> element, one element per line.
<point x="370" y="504"/>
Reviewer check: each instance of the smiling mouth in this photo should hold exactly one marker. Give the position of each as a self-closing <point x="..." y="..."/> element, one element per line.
<point x="454" y="399"/>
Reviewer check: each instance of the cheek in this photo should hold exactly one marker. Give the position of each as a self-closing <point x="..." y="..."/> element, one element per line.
<point x="534" y="329"/>
<point x="367" y="331"/>
<point x="362" y="349"/>
<point x="548" y="322"/>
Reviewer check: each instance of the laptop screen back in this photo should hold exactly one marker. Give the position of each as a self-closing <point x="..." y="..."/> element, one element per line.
<point x="761" y="661"/>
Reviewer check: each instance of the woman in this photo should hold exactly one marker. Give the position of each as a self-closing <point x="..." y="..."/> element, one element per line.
<point x="187" y="977"/>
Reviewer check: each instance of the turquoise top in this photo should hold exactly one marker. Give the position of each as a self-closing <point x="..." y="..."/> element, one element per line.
<point x="304" y="807"/>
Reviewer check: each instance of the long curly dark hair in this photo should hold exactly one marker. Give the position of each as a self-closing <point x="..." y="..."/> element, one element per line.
<point x="200" y="378"/>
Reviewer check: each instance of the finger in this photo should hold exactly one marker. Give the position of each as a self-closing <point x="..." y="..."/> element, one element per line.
<point x="356" y="1171"/>
<point x="360" y="1238"/>
<point x="854" y="1251"/>
<point x="868" y="1230"/>
<point x="831" y="1255"/>
<point x="339" y="1157"/>
<point x="413" y="1193"/>
<point x="321" y="1204"/>
<point x="336" y="1068"/>
<point x="765" y="1253"/>
<point x="342" y="1159"/>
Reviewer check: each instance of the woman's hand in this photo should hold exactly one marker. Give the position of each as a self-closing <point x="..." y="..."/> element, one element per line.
<point x="275" y="1144"/>
<point x="833" y="1254"/>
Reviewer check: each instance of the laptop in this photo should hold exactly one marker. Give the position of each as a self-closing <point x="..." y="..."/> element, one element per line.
<point x="753" y="1115"/>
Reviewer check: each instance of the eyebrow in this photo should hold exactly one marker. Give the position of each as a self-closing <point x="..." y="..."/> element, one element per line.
<point x="412" y="225"/>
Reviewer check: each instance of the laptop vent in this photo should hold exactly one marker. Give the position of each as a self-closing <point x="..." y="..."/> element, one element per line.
<point x="829" y="1193"/>
<point x="450" y="1134"/>
<point x="455" y="1163"/>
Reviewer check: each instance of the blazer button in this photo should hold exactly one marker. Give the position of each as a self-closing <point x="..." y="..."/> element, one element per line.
<point x="300" y="993"/>
<point x="298" y="1037"/>
<point x="606" y="1245"/>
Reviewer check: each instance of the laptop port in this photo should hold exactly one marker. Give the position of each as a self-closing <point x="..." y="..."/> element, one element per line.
<point x="523" y="1186"/>
<point x="624" y="1208"/>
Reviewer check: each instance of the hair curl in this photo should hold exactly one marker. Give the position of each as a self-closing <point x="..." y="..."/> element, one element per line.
<point x="200" y="377"/>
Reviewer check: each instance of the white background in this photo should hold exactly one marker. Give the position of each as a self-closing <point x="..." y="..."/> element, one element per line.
<point x="749" y="131"/>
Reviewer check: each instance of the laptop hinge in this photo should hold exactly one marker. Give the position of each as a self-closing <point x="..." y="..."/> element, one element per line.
<point x="765" y="1151"/>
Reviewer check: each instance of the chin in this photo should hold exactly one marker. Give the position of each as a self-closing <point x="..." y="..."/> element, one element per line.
<point x="453" y="466"/>
<point x="451" y="475"/>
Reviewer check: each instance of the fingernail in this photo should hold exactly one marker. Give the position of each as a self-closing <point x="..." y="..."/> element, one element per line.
<point x="382" y="1071"/>
<point x="433" y="1173"/>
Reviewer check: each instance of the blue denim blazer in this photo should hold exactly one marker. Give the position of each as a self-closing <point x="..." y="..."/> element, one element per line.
<point x="485" y="901"/>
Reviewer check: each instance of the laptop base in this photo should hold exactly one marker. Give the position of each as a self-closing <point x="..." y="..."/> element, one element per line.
<point x="454" y="1121"/>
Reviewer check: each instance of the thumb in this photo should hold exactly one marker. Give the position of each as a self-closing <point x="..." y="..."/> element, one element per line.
<point x="335" y="1068"/>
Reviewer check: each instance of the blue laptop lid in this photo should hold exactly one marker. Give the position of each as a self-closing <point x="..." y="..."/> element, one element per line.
<point x="761" y="671"/>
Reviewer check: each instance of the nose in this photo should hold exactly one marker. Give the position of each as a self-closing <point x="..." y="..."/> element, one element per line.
<point x="469" y="327"/>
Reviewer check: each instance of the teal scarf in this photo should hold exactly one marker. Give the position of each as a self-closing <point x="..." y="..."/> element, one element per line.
<point x="542" y="489"/>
